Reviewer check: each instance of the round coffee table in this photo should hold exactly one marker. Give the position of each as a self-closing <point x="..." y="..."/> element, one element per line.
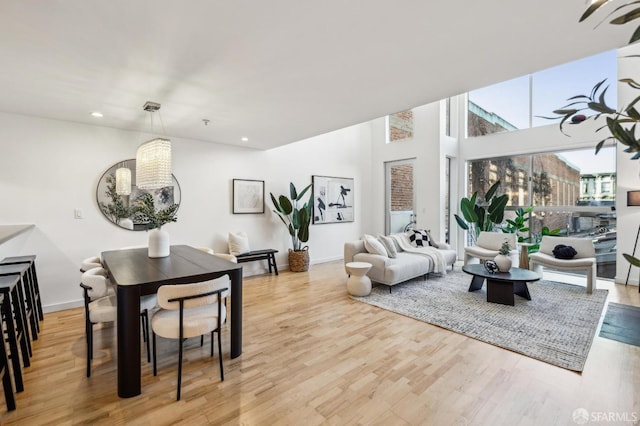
<point x="358" y="283"/>
<point x="501" y="286"/>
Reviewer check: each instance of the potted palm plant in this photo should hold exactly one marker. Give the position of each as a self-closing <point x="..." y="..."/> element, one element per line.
<point x="297" y="220"/>
<point x="145" y="212"/>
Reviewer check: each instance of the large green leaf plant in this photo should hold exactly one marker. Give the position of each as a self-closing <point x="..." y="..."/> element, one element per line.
<point x="294" y="217"/>
<point x="479" y="215"/>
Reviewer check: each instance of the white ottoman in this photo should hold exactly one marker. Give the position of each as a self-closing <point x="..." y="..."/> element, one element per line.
<point x="358" y="283"/>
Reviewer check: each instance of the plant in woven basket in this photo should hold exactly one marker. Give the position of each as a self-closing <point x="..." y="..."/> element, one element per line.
<point x="297" y="219"/>
<point x="294" y="217"/>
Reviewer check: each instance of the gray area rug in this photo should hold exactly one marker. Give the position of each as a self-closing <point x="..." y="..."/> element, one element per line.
<point x="556" y="326"/>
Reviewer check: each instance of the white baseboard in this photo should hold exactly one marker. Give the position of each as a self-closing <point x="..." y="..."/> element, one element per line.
<point x="248" y="272"/>
<point x="63" y="306"/>
<point x="285" y="266"/>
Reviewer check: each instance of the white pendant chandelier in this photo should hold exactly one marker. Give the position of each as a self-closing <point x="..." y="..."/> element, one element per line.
<point x="153" y="158"/>
<point x="123" y="180"/>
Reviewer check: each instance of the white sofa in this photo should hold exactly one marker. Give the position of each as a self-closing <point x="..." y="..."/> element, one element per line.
<point x="584" y="260"/>
<point x="392" y="271"/>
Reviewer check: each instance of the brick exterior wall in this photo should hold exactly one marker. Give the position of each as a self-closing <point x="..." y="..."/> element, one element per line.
<point x="478" y="126"/>
<point x="402" y="188"/>
<point x="401" y="126"/>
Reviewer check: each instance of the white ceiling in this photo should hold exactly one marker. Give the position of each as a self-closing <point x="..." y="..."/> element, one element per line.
<point x="274" y="71"/>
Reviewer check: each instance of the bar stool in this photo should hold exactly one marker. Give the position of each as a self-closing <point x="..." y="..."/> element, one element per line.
<point x="15" y="326"/>
<point x="9" y="397"/>
<point x="31" y="260"/>
<point x="28" y="303"/>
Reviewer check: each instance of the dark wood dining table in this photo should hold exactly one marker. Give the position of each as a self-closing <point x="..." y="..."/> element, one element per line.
<point x="135" y="274"/>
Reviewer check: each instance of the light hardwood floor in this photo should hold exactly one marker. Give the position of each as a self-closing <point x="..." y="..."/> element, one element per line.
<point x="314" y="356"/>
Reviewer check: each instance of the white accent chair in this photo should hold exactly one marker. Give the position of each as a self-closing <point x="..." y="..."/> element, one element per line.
<point x="188" y="310"/>
<point x="585" y="260"/>
<point x="488" y="245"/>
<point x="99" y="305"/>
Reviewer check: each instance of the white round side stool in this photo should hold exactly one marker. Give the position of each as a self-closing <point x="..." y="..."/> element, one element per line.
<point x="358" y="283"/>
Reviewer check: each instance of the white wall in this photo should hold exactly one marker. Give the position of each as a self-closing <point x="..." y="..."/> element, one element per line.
<point x="48" y="168"/>
<point x="429" y="181"/>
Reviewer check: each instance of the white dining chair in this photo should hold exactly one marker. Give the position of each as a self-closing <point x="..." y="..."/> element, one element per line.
<point x="99" y="305"/>
<point x="188" y="310"/>
<point x="90" y="263"/>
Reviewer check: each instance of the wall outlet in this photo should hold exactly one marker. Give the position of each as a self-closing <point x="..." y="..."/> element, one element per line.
<point x="77" y="213"/>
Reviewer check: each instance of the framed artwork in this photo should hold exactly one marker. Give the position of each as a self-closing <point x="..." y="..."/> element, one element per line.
<point x="332" y="199"/>
<point x="248" y="196"/>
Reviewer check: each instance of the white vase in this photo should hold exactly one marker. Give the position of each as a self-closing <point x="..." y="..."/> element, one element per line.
<point x="159" y="243"/>
<point x="503" y="261"/>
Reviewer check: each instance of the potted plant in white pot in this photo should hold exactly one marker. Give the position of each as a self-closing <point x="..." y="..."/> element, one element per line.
<point x="502" y="259"/>
<point x="297" y="220"/>
<point x="145" y="212"/>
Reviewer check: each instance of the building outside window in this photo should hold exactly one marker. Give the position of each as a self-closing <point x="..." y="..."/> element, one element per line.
<point x="573" y="191"/>
<point x="400" y="126"/>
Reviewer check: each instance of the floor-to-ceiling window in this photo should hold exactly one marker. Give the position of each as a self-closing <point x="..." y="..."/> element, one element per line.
<point x="572" y="191"/>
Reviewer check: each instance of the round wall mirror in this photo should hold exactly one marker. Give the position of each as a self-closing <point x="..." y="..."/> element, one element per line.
<point x="117" y="201"/>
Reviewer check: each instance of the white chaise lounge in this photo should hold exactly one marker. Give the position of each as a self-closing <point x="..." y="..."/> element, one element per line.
<point x="585" y="260"/>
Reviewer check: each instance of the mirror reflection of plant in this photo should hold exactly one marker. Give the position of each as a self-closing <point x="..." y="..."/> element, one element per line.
<point x="145" y="212"/>
<point x="117" y="209"/>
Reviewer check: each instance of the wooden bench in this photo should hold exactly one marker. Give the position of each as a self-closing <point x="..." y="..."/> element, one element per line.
<point x="268" y="254"/>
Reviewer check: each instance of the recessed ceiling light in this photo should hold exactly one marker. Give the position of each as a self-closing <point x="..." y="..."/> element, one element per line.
<point x="244" y="139"/>
<point x="96" y="114"/>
